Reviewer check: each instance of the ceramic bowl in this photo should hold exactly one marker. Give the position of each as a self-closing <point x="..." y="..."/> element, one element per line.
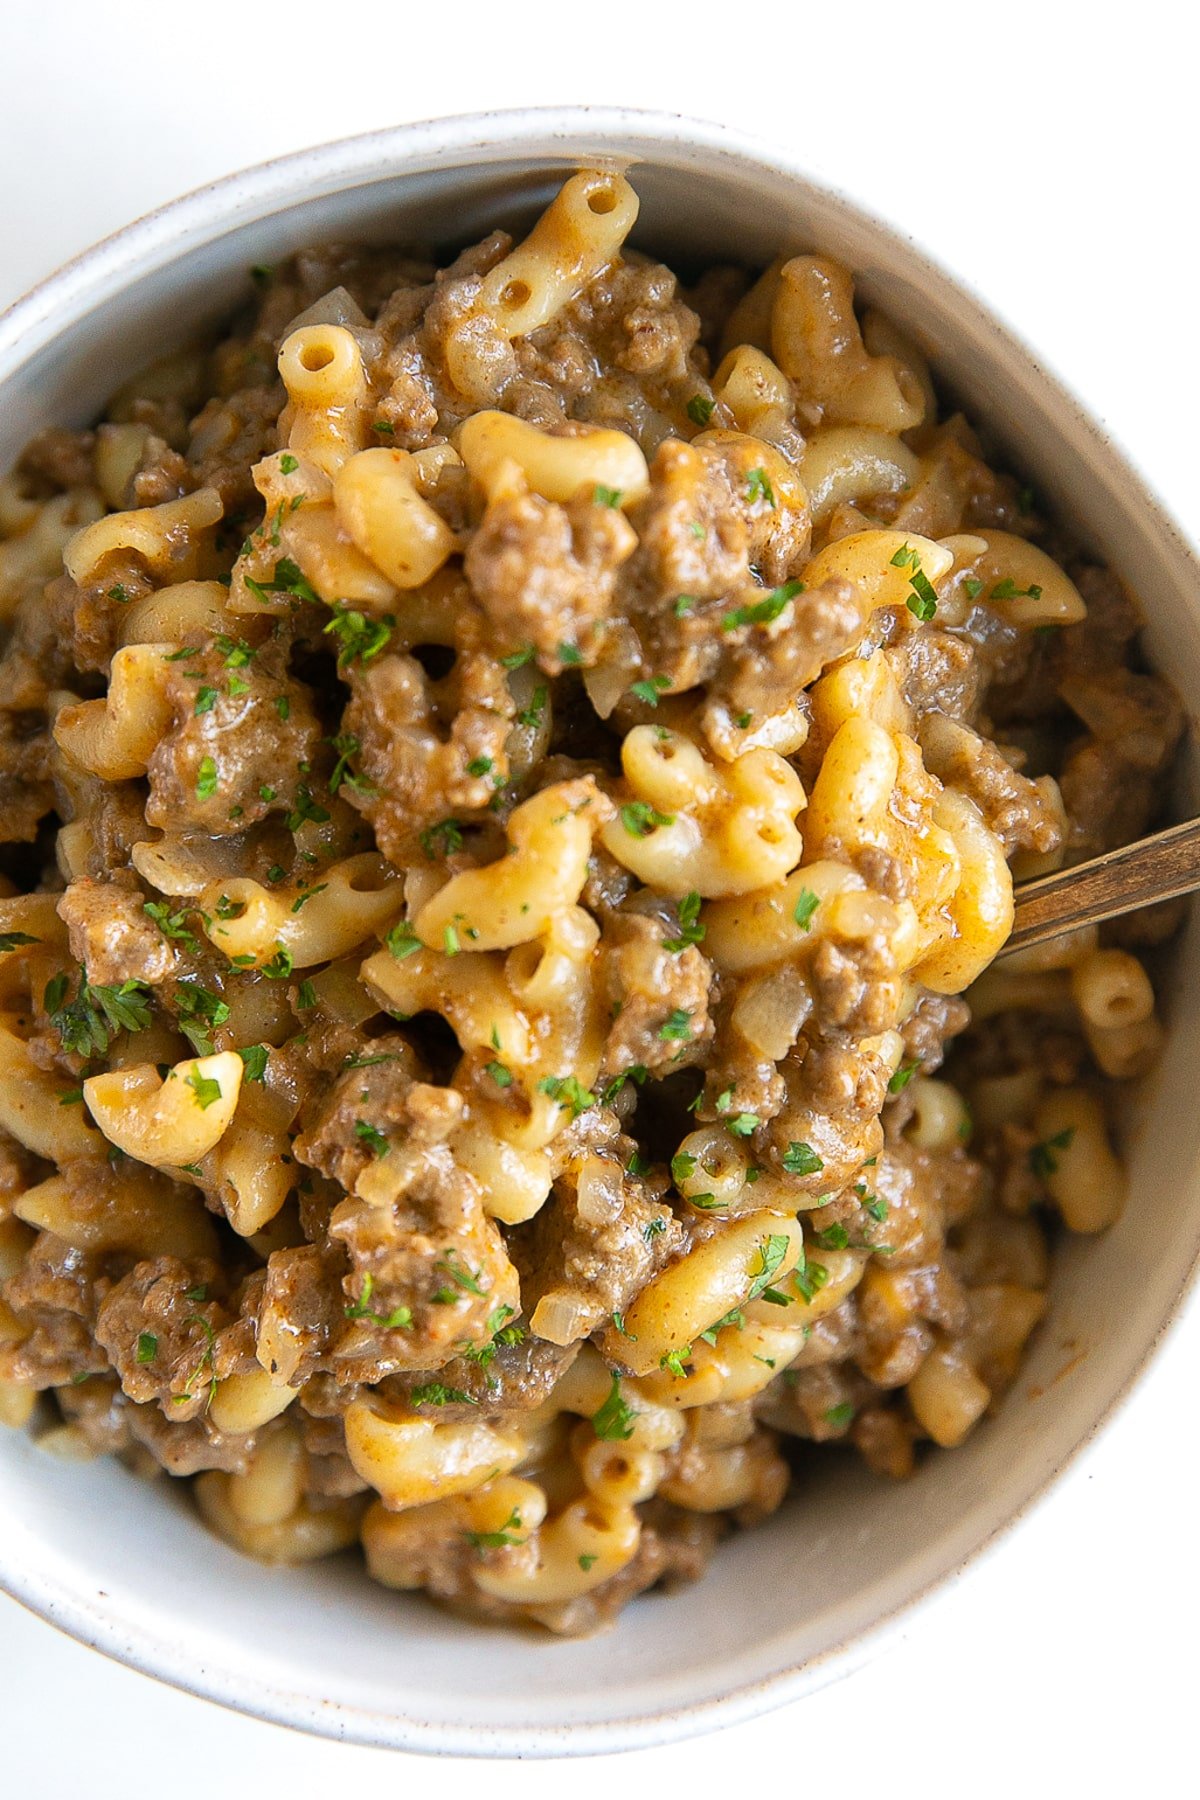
<point x="126" y="1566"/>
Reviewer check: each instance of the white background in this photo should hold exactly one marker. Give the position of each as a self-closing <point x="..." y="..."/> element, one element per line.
<point x="1047" y="153"/>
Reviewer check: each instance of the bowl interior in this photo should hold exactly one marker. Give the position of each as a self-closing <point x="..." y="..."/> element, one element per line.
<point x="126" y="1565"/>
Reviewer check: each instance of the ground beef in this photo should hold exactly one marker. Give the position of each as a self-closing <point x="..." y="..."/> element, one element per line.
<point x="158" y="1326"/>
<point x="54" y="1298"/>
<point x="544" y="574"/>
<point x="429" y="748"/>
<point x="26" y="792"/>
<point x="598" y="1240"/>
<point x="658" y="998"/>
<point x="111" y="935"/>
<point x="229" y="757"/>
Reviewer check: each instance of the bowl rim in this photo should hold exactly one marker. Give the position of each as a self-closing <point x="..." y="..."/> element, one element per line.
<point x="204" y="214"/>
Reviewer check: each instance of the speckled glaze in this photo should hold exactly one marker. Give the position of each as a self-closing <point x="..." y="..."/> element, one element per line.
<point x="125" y="1566"/>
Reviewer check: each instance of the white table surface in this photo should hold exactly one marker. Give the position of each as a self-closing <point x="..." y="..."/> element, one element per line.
<point x="1046" y="160"/>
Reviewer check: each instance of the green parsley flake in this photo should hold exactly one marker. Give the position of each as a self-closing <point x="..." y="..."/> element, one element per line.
<point x="649" y="690"/>
<point x="254" y="1061"/>
<point x="372" y="1137"/>
<point x="397" y="1320"/>
<point x="759" y="488"/>
<point x="288" y="463"/>
<point x="1043" y="1158"/>
<point x="606" y="496"/>
<point x="206" y="779"/>
<point x="902" y="1077"/>
<point x="801" y="1159"/>
<point x="442" y="839"/>
<point x="568" y="1091"/>
<point x="173" y="925"/>
<point x="763" y="611"/>
<point x="147" y="1347"/>
<point x="199" y="1012"/>
<point x="359" y="638"/>
<point x="1008" y="590"/>
<point x="206" y="1089"/>
<point x="499" y="1074"/>
<point x="640" y="818"/>
<point x="403" y="941"/>
<point x="677" y="1027"/>
<point x="14" y="940"/>
<point x="613" y="1420"/>
<point x="495" y="1540"/>
<point x="806" y="905"/>
<point x="533" y="715"/>
<point x="89" y="1022"/>
<point x="700" y="410"/>
<point x="690" y="929"/>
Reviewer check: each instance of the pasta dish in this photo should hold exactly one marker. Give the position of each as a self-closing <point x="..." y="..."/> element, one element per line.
<point x="509" y="771"/>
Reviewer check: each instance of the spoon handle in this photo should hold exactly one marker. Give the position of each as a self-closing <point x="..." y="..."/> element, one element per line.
<point x="1155" y="868"/>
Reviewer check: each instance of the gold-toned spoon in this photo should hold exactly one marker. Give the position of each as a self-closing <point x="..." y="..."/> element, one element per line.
<point x="1155" y="868"/>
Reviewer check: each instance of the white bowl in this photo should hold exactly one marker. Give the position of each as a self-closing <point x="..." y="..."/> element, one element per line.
<point x="127" y="1567"/>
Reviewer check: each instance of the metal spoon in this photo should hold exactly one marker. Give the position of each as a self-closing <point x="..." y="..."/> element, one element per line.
<point x="1154" y="868"/>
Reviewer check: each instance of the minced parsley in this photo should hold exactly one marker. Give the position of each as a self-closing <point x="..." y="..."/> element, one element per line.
<point x="613" y="1420"/>
<point x="762" y="612"/>
<point x="690" y="929"/>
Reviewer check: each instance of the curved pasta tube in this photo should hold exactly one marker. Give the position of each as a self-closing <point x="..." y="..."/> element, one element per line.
<point x="696" y="826"/>
<point x="981" y="908"/>
<point x="587" y="1543"/>
<point x="580" y="232"/>
<point x="358" y="897"/>
<point x="169" y="1122"/>
<point x="518" y="898"/>
<point x="185" y="611"/>
<point x="867" y="559"/>
<point x="713" y="1279"/>
<point x="409" y="1460"/>
<point x="248" y="1402"/>
<point x="330" y="561"/>
<point x="816" y="341"/>
<point x="35" y="554"/>
<point x="947" y="1396"/>
<point x="31" y="1108"/>
<point x="515" y="1182"/>
<point x="379" y="504"/>
<point x="557" y="467"/>
<point x="847" y="464"/>
<point x="1024" y="585"/>
<point x="757" y="393"/>
<point x="168" y="538"/>
<point x="254" y="1173"/>
<point x="757" y="930"/>
<point x="471" y="994"/>
<point x="142" y="1215"/>
<point x="322" y="370"/>
<point x="304" y="1535"/>
<point x="115" y="737"/>
<point x="1086" y="1181"/>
